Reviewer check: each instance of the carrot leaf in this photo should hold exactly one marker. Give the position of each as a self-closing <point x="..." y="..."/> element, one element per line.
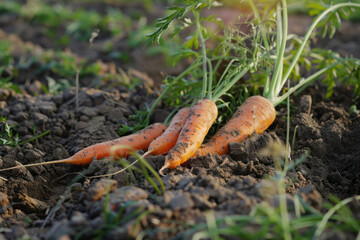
<point x="176" y="12"/>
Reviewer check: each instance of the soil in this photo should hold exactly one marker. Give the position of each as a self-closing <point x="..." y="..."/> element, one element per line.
<point x="66" y="201"/>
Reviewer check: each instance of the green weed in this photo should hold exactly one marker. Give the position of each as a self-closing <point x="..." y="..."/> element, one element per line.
<point x="265" y="222"/>
<point x="7" y="136"/>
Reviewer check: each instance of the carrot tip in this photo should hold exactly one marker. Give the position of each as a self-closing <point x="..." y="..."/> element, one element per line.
<point x="145" y="154"/>
<point x="161" y="171"/>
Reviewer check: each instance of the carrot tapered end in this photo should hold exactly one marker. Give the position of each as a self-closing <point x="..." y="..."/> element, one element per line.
<point x="161" y="171"/>
<point x="146" y="154"/>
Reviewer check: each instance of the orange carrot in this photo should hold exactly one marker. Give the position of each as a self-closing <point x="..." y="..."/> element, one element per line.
<point x="255" y="114"/>
<point x="201" y="117"/>
<point x="167" y="140"/>
<point x="138" y="141"/>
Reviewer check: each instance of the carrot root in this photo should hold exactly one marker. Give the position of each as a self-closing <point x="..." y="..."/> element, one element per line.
<point x="161" y="171"/>
<point x="167" y="140"/>
<point x="201" y="117"/>
<point x="145" y="154"/>
<point x="67" y="160"/>
<point x="137" y="141"/>
<point x="256" y="114"/>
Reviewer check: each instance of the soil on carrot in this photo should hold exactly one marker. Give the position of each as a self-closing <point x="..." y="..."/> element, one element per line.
<point x="53" y="201"/>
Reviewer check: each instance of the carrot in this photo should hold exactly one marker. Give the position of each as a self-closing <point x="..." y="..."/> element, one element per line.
<point x="168" y="139"/>
<point x="138" y="141"/>
<point x="201" y="117"/>
<point x="255" y="114"/>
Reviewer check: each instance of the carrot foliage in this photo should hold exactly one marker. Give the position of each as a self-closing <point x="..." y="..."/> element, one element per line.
<point x="214" y="53"/>
<point x="253" y="55"/>
<point x="285" y="62"/>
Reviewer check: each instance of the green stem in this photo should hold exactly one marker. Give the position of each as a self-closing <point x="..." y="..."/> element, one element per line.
<point x="307" y="80"/>
<point x="203" y="52"/>
<point x="282" y="22"/>
<point x="226" y="70"/>
<point x="284" y="211"/>
<point x="225" y="88"/>
<point x="225" y="55"/>
<point x="287" y="129"/>
<point x="163" y="93"/>
<point x="210" y="79"/>
<point x="282" y="192"/>
<point x="274" y="79"/>
<point x="283" y="204"/>
<point x="36" y="137"/>
<point x="321" y="226"/>
<point x="308" y="34"/>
